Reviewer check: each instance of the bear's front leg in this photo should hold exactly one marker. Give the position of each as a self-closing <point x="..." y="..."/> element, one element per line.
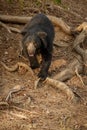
<point x="46" y="61"/>
<point x="34" y="62"/>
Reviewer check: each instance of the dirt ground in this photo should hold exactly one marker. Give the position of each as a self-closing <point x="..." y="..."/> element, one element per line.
<point x="44" y="108"/>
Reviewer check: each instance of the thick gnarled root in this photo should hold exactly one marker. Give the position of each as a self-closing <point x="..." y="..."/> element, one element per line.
<point x="20" y="66"/>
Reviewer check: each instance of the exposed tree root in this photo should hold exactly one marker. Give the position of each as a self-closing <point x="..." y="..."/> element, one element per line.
<point x="5" y="26"/>
<point x="80" y="78"/>
<point x="60" y="23"/>
<point x="81" y="27"/>
<point x="69" y="71"/>
<point x="22" y="20"/>
<point x="77" y="46"/>
<point x="64" y="75"/>
<point x="14" y="19"/>
<point x="12" y="69"/>
<point x="62" y="86"/>
<point x="18" y="65"/>
<point x="56" y="21"/>
<point x="16" y="30"/>
<point x="57" y="84"/>
<point x="10" y="29"/>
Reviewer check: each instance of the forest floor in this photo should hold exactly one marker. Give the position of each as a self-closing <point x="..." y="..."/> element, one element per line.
<point x="44" y="108"/>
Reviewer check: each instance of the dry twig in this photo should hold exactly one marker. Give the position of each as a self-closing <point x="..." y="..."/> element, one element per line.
<point x="16" y="89"/>
<point x="21" y="116"/>
<point x="26" y="111"/>
<point x="76" y="71"/>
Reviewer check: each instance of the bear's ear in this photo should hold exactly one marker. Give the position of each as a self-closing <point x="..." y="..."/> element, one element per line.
<point x="42" y="36"/>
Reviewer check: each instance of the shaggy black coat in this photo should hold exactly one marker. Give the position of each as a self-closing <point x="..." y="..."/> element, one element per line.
<point x="41" y="31"/>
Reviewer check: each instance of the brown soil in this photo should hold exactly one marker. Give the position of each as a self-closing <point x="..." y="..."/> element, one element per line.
<point x="44" y="108"/>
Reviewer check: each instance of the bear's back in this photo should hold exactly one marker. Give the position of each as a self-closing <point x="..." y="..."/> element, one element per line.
<point x="39" y="22"/>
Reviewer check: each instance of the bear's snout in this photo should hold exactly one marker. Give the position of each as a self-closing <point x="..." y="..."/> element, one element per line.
<point x="31" y="49"/>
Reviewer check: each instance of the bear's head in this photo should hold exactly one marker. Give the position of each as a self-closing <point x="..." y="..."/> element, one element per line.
<point x="34" y="42"/>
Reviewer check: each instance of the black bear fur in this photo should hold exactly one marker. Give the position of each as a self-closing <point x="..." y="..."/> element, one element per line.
<point x="40" y="30"/>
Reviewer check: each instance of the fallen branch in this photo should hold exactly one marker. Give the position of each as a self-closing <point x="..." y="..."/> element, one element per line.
<point x="22" y="20"/>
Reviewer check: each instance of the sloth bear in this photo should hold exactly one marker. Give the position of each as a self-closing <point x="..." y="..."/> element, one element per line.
<point x="38" y="36"/>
